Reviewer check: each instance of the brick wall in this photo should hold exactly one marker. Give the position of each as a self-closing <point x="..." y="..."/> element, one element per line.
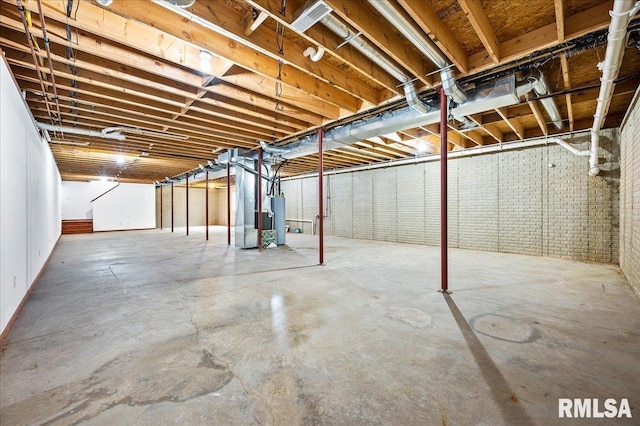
<point x="630" y="195"/>
<point x="536" y="201"/>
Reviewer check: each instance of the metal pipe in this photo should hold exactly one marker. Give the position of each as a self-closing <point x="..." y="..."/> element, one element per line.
<point x="549" y="105"/>
<point x="228" y="204"/>
<point x="187" y="197"/>
<point x="364" y="47"/>
<point x="469" y="152"/>
<point x="320" y="200"/>
<point x="259" y="198"/>
<point x="444" y="149"/>
<point x="491" y="95"/>
<point x="623" y="11"/>
<point x="161" y="188"/>
<point x="171" y="206"/>
<point x="425" y="45"/>
<point x="206" y="205"/>
<point x="21" y="9"/>
<point x="46" y="45"/>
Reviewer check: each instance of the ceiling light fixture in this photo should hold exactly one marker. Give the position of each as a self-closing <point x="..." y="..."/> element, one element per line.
<point x="105" y="3"/>
<point x="422" y="147"/>
<point x="205" y="60"/>
<point x="119" y="159"/>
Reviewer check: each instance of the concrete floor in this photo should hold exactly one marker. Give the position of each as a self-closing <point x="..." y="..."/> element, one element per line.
<point x="149" y="327"/>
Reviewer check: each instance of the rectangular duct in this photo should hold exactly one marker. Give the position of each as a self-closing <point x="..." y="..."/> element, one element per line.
<point x="487" y="97"/>
<point x="309" y="14"/>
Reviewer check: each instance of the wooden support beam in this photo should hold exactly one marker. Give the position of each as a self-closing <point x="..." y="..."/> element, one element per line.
<point x="559" y="8"/>
<point x="513" y="123"/>
<point x="441" y="35"/>
<point x="224" y="37"/>
<point x="575" y="26"/>
<point x="319" y="35"/>
<point x="492" y="131"/>
<point x="474" y="12"/>
<point x="291" y="95"/>
<point x="252" y="20"/>
<point x="383" y="35"/>
<point x="134" y="34"/>
<point x="537" y="112"/>
<point x="564" y="62"/>
<point x="101" y="48"/>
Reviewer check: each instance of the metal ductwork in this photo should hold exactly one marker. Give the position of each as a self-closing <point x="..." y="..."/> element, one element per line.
<point x="498" y="94"/>
<point x="368" y="50"/>
<point x="539" y="86"/>
<point x="364" y="47"/>
<point x="181" y="3"/>
<point x="108" y="133"/>
<point x="425" y="45"/>
<point x="623" y="11"/>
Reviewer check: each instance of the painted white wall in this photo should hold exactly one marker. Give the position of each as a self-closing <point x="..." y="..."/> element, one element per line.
<point x="77" y="196"/>
<point x="128" y="206"/>
<point x="30" y="208"/>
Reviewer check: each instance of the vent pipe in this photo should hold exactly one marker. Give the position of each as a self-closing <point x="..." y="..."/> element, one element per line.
<point x="425" y="45"/>
<point x="623" y="11"/>
<point x="364" y="47"/>
<point x="539" y="86"/>
<point x="368" y="50"/>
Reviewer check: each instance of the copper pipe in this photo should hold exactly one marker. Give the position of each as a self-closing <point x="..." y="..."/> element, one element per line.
<point x="187" y="197"/>
<point x="228" y="204"/>
<point x="320" y="200"/>
<point x="206" y="204"/>
<point x="444" y="278"/>
<point x="259" y="198"/>
<point x="46" y="45"/>
<point x="20" y="7"/>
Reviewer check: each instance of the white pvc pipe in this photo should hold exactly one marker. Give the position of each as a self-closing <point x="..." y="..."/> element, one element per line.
<point x="313" y="224"/>
<point x="107" y="133"/>
<point x="623" y="11"/>
<point x="314" y="54"/>
<point x="570" y="148"/>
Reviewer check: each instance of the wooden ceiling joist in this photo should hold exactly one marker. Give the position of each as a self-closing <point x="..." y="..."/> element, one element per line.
<point x="384" y="36"/>
<point x="140" y="68"/>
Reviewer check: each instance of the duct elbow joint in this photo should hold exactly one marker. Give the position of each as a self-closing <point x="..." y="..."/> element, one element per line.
<point x="451" y="87"/>
<point x="412" y="98"/>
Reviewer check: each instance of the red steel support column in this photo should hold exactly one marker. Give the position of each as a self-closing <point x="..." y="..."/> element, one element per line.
<point x="259" y="198"/>
<point x="228" y="204"/>
<point x="206" y="204"/>
<point x="187" y="196"/>
<point x="161" y="188"/>
<point x="444" y="249"/>
<point x="171" y="206"/>
<point x="320" y="198"/>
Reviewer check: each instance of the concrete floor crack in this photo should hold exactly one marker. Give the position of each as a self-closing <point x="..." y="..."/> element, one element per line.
<point x="244" y="389"/>
<point x="183" y="301"/>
